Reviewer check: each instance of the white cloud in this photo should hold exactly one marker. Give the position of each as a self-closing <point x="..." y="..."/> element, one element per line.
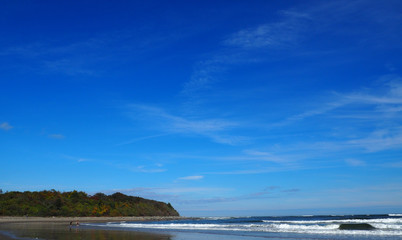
<point x="5" y="126"/>
<point x="198" y="177"/>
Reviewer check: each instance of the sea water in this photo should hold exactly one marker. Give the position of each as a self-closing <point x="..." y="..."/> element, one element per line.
<point x="282" y="227"/>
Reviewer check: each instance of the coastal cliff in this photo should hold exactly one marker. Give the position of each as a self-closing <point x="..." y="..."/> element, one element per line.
<point x="80" y="204"/>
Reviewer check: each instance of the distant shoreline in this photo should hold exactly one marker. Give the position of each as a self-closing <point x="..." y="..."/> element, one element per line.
<point x="9" y="219"/>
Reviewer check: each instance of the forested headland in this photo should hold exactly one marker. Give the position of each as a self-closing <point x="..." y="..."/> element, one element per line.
<point x="80" y="204"/>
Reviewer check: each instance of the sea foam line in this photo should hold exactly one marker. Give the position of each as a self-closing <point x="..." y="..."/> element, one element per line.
<point x="338" y="221"/>
<point x="283" y="227"/>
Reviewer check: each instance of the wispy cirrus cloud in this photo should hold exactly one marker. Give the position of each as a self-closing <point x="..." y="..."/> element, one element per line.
<point x="385" y="101"/>
<point x="379" y="140"/>
<point x="196" y="177"/>
<point x="218" y="130"/>
<point x="203" y="77"/>
<point x="141" y="139"/>
<point x="390" y="94"/>
<point x="282" y="33"/>
<point x="364" y="121"/>
<point x="5" y="126"/>
<point x="118" y="164"/>
<point x="178" y="123"/>
<point x="82" y="56"/>
<point x="292" y="27"/>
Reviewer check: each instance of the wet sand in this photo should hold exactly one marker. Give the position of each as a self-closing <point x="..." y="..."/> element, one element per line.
<point x="83" y="219"/>
<point x="59" y="228"/>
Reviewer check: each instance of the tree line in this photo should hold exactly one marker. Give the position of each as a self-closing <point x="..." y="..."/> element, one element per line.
<point x="79" y="204"/>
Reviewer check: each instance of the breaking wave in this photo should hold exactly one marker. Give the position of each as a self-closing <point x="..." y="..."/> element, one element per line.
<point x="390" y="226"/>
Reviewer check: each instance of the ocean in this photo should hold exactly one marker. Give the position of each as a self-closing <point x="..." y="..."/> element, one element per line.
<point x="387" y="226"/>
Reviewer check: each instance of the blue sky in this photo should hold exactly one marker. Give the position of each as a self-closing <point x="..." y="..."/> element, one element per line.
<point x="220" y="108"/>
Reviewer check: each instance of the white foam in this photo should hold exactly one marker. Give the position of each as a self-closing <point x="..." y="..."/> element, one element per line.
<point x="382" y="229"/>
<point x="184" y="226"/>
<point x="218" y="218"/>
<point x="340" y="221"/>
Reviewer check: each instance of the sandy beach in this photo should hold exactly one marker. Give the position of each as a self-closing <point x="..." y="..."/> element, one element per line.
<point x="60" y="228"/>
<point x="83" y="219"/>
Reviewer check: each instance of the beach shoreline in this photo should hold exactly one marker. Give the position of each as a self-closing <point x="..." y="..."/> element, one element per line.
<point x="63" y="223"/>
<point x="11" y="219"/>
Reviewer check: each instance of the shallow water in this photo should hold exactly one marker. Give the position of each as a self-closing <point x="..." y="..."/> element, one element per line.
<point x="51" y="231"/>
<point x="388" y="227"/>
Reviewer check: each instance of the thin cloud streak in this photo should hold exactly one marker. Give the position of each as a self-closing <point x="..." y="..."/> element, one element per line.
<point x="141" y="139"/>
<point x="389" y="101"/>
<point x="302" y="155"/>
<point x="152" y="169"/>
<point x="192" y="178"/>
<point x="380" y="140"/>
<point x="80" y="57"/>
<point x="155" y="168"/>
<point x="278" y="34"/>
<point x="214" y="129"/>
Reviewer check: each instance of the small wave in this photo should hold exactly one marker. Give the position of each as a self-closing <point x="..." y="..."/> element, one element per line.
<point x="218" y="218"/>
<point x="395" y="215"/>
<point x="339" y="221"/>
<point x="315" y="227"/>
<point x="381" y="230"/>
<point x="384" y="225"/>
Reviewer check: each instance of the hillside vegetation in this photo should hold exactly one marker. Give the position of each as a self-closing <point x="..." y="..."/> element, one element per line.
<point x="55" y="203"/>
